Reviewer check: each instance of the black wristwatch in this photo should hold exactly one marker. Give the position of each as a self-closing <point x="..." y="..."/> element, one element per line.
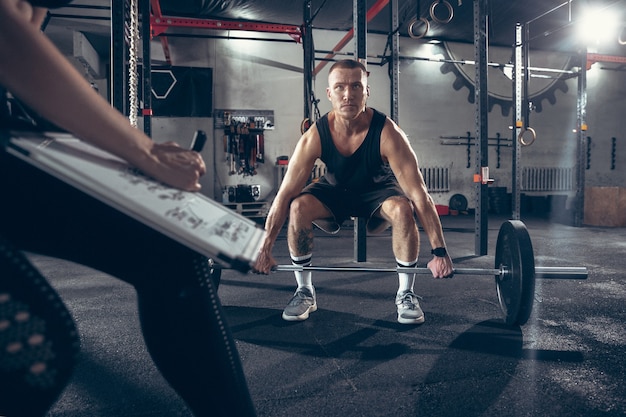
<point x="440" y="252"/>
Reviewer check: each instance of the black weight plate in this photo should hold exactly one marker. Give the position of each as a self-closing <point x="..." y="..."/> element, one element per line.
<point x="458" y="202"/>
<point x="516" y="288"/>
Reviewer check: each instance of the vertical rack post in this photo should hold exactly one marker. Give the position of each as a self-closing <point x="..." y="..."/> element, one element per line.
<point x="309" y="59"/>
<point x="146" y="34"/>
<point x="482" y="137"/>
<point x="117" y="81"/>
<point x="581" y="128"/>
<point x="360" y="54"/>
<point x="516" y="167"/>
<point x="360" y="30"/>
<point x="394" y="64"/>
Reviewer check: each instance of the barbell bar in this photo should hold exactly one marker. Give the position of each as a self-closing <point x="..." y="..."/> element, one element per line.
<point x="514" y="272"/>
<point x="544" y="272"/>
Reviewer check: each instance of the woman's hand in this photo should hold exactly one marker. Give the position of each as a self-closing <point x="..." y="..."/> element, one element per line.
<point x="175" y="166"/>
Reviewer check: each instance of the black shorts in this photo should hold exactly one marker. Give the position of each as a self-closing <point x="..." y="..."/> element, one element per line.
<point x="343" y="203"/>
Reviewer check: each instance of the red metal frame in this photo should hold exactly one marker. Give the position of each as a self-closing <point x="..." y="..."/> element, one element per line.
<point x="159" y="24"/>
<point x="156" y="13"/>
<point x="593" y="58"/>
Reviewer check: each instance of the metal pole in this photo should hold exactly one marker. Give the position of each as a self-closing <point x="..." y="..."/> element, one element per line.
<point x="481" y="115"/>
<point x="308" y="52"/>
<point x="544" y="272"/>
<point x="516" y="180"/>
<point x="581" y="128"/>
<point x="550" y="11"/>
<point x="526" y="103"/>
<point x="394" y="64"/>
<point x="360" y="53"/>
<point x="417" y="270"/>
<point x="360" y="29"/>
<point x="118" y="82"/>
<point x="146" y="34"/>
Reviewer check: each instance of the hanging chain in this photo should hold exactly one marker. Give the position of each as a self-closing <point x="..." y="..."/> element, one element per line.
<point x="133" y="42"/>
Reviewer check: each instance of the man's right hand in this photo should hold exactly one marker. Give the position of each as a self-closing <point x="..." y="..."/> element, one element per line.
<point x="265" y="262"/>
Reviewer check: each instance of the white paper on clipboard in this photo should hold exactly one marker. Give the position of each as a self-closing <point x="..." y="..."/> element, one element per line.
<point x="192" y="219"/>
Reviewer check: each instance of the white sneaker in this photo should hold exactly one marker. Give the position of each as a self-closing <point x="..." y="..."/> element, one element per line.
<point x="301" y="304"/>
<point x="409" y="311"/>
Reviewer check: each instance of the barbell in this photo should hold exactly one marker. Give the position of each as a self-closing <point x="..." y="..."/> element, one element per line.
<point x="515" y="272"/>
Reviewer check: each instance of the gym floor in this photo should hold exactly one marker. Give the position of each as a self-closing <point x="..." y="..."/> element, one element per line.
<point x="351" y="357"/>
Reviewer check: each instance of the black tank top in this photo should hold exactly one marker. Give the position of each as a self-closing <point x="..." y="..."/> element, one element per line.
<point x="363" y="170"/>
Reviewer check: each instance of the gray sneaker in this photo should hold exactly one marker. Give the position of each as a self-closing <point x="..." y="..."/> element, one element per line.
<point x="409" y="311"/>
<point x="301" y="304"/>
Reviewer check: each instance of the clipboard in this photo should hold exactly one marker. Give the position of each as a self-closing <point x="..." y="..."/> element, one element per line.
<point x="191" y="219"/>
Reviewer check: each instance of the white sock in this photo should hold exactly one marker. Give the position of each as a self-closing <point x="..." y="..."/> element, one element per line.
<point x="405" y="280"/>
<point x="304" y="279"/>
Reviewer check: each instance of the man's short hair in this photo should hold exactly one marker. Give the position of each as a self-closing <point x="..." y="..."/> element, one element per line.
<point x="348" y="64"/>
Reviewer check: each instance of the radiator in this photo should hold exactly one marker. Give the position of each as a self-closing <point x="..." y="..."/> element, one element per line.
<point x="437" y="179"/>
<point x="547" y="179"/>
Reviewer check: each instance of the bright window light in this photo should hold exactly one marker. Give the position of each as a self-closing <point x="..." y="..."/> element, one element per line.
<point x="598" y="26"/>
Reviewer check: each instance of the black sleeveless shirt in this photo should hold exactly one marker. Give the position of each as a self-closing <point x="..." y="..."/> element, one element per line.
<point x="364" y="170"/>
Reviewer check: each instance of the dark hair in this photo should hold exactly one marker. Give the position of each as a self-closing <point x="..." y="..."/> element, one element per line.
<point x="348" y="64"/>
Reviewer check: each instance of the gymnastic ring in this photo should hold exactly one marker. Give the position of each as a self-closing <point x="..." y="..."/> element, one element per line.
<point x="619" y="37"/>
<point x="305" y="125"/>
<point x="434" y="5"/>
<point x="533" y="136"/>
<point x="413" y="22"/>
